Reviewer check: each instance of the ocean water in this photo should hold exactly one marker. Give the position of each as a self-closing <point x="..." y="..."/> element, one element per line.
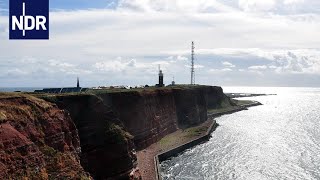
<point x="22" y="89"/>
<point x="278" y="140"/>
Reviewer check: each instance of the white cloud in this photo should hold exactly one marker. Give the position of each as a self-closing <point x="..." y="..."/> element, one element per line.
<point x="290" y="2"/>
<point x="173" y="59"/>
<point x="146" y="32"/>
<point x="134" y="68"/>
<point x="196" y="66"/>
<point x="182" y="58"/>
<point x="117" y="65"/>
<point x="28" y="67"/>
<point x="263" y="67"/>
<point x="59" y="64"/>
<point x="174" y="6"/>
<point x="220" y="70"/>
<point x="287" y="61"/>
<point x="228" y="64"/>
<point x="302" y="61"/>
<point x="298" y="62"/>
<point x="120" y="67"/>
<point x="130" y="33"/>
<point x="15" y="72"/>
<point x="257" y="5"/>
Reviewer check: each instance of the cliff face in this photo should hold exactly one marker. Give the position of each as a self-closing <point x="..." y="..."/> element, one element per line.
<point x="151" y="114"/>
<point x="192" y="103"/>
<point x="107" y="148"/>
<point x="37" y="140"/>
<point x="191" y="106"/>
<point x="148" y="115"/>
<point x="95" y="133"/>
<point x="215" y="97"/>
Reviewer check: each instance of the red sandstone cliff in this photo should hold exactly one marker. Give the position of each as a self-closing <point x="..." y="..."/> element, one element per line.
<point x="107" y="148"/>
<point x="151" y="114"/>
<point x="37" y="140"/>
<point x="147" y="115"/>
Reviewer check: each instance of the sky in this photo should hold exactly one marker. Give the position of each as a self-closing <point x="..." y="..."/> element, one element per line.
<point x="122" y="42"/>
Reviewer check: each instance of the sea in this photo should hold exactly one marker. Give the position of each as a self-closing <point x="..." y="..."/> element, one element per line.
<point x="22" y="89"/>
<point x="279" y="140"/>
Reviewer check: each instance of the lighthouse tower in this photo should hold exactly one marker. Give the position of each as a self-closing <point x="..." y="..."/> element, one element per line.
<point x="160" y="78"/>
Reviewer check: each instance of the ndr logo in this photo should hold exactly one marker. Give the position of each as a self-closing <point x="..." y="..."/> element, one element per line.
<point x="29" y="19"/>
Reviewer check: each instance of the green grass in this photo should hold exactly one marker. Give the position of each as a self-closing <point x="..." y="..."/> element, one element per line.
<point x="222" y="110"/>
<point x="150" y="88"/>
<point x="182" y="136"/>
<point x="54" y="97"/>
<point x="242" y="102"/>
<point x="164" y="141"/>
<point x="116" y="134"/>
<point x="195" y="131"/>
<point x="226" y="108"/>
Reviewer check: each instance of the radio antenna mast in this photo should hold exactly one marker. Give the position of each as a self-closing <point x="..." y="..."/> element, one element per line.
<point x="193" y="78"/>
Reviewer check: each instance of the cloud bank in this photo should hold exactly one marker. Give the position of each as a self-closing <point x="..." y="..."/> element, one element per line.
<point x="276" y="40"/>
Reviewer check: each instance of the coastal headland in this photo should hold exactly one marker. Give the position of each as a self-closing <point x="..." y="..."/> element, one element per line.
<point x="103" y="134"/>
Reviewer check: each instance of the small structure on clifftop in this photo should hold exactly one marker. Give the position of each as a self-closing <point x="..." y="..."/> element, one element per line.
<point x="173" y="82"/>
<point x="78" y="84"/>
<point x="160" y="78"/>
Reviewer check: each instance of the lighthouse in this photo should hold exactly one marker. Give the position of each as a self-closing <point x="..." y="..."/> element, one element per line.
<point x="160" y="84"/>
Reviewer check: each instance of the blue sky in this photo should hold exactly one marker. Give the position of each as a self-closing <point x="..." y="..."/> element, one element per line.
<point x="238" y="43"/>
<point x="74" y="4"/>
<point x="83" y="4"/>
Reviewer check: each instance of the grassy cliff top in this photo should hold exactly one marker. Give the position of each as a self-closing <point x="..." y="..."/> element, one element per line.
<point x="115" y="90"/>
<point x="92" y="92"/>
<point x="146" y="89"/>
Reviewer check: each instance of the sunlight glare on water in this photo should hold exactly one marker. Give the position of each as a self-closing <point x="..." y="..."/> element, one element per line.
<point x="278" y="140"/>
